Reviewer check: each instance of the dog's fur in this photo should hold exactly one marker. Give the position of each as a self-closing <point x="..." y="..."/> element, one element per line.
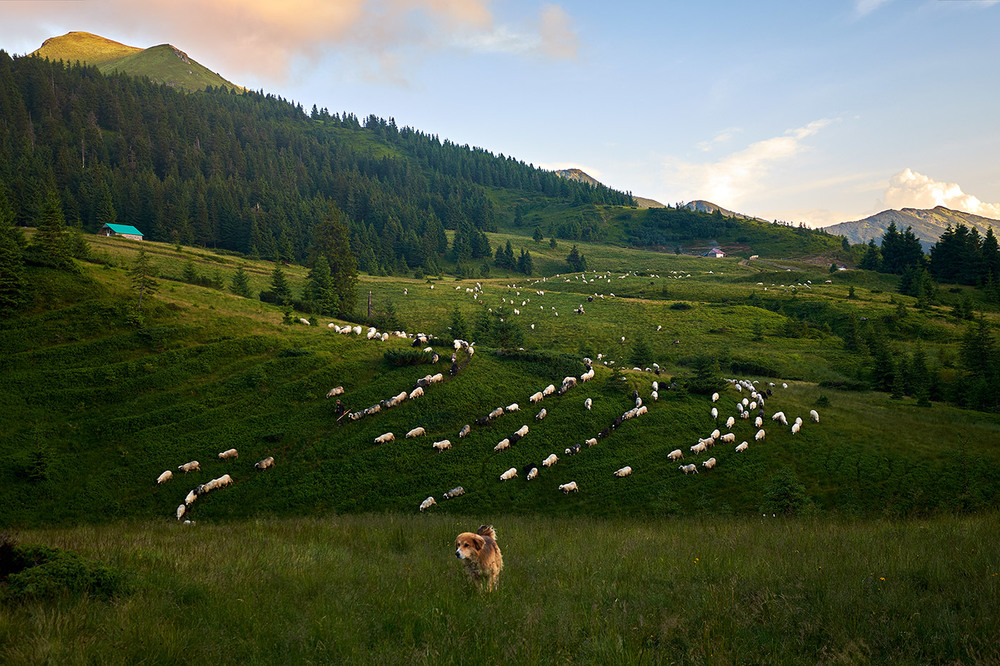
<point x="481" y="553"/>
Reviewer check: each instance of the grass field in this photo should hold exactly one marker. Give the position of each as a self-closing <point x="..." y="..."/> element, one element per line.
<point x="375" y="589"/>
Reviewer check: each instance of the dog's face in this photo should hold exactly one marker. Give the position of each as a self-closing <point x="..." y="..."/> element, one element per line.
<point x="468" y="546"/>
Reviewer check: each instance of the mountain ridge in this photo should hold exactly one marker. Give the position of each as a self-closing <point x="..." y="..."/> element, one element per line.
<point x="928" y="224"/>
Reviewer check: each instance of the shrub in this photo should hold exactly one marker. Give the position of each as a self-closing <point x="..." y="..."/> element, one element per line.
<point x="40" y="572"/>
<point x="680" y="305"/>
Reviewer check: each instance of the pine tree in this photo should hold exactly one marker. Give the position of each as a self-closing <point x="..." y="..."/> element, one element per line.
<point x="141" y="276"/>
<point x="240" y="284"/>
<point x="524" y="263"/>
<point x="320" y="291"/>
<point x="50" y="247"/>
<point x="280" y="290"/>
<point x="872" y="259"/>
<point x="190" y="274"/>
<point x="576" y="261"/>
<point x="537" y="236"/>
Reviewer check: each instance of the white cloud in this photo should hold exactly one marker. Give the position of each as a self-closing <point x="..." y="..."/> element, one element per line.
<point x="866" y="7"/>
<point x="722" y="137"/>
<point x="909" y="189"/>
<point x="728" y="181"/>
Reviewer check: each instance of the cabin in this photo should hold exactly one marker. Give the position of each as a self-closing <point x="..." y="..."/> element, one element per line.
<point x="123" y="230"/>
<point x="714" y="252"/>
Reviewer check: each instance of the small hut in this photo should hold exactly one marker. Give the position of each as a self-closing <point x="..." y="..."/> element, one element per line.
<point x="123" y="230"/>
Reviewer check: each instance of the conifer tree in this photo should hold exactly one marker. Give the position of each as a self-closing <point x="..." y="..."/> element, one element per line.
<point x="576" y="261"/>
<point x="141" y="276"/>
<point x="280" y="289"/>
<point x="320" y="290"/>
<point x="240" y="284"/>
<point x="50" y="247"/>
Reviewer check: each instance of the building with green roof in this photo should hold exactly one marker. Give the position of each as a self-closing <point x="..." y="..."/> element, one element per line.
<point x="123" y="230"/>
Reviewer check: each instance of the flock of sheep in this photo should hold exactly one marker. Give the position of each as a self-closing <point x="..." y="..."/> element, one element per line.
<point x="209" y="486"/>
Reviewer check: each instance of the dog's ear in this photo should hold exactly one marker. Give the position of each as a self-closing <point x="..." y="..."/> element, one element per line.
<point x="480" y="542"/>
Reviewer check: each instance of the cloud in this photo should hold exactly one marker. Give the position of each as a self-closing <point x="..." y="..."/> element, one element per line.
<point x="722" y="137"/>
<point x="866" y="7"/>
<point x="909" y="189"/>
<point x="726" y="181"/>
<point x="264" y="37"/>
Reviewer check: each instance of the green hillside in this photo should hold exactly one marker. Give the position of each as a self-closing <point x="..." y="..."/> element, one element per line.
<point x="160" y="64"/>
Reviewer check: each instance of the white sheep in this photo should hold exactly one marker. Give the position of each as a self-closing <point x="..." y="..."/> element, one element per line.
<point x="443" y="445"/>
<point x="192" y="466"/>
<point x="509" y="474"/>
<point x="758" y="422"/>
<point x="228" y="454"/>
<point x="166" y="476"/>
<point x="385" y="438"/>
<point x="796" y="427"/>
<point x="502" y="445"/>
<point x="427" y="503"/>
<point x="265" y="463"/>
<point x="522" y="431"/>
<point x="715" y="397"/>
<point x="416" y="432"/>
<point x="466" y="429"/>
<point x="654" y="396"/>
<point x="730" y="421"/>
<point x="688" y="469"/>
<point x="743" y="446"/>
<point x="180" y="511"/>
<point x="357" y="330"/>
<point x="498" y="412"/>
<point x="532" y="473"/>
<point x="535" y="397"/>
<point x="336" y="390"/>
<point x="570" y="487"/>
<point x="624" y="471"/>
<point x="549" y="390"/>
<point x="700" y="447"/>
<point x="760" y="435"/>
<point x="541" y="414"/>
<point x="454" y="492"/>
<point x="191" y="497"/>
<point x="715" y="413"/>
<point x="591" y="442"/>
<point x="587" y="403"/>
<point x="728" y="438"/>
<point x="814" y="415"/>
<point x="512" y="407"/>
<point x="304" y="321"/>
<point x="416" y="393"/>
<point x="675" y="455"/>
<point x="715" y="434"/>
<point x="709" y="464"/>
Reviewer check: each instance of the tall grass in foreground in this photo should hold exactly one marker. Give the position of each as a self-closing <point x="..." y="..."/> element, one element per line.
<point x="377" y="589"/>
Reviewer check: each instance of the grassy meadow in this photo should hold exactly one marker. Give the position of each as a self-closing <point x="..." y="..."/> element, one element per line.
<point x="372" y="589"/>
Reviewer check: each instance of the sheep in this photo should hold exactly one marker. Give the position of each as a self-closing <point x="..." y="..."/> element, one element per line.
<point x="416" y="393"/>
<point x="654" y="396"/>
<point x="676" y="454"/>
<point x="434" y="379"/>
<point x="502" y="445"/>
<point x="443" y="445"/>
<point x="303" y="321"/>
<point x="591" y="442"/>
<point x="541" y="414"/>
<point x="427" y="503"/>
<point x="228" y="454"/>
<point x="624" y="471"/>
<point x="265" y="463"/>
<point x="567" y="384"/>
<point x="777" y="416"/>
<point x="570" y="487"/>
<point x="700" y="447"/>
<point x="798" y="420"/>
<point x="587" y="376"/>
<point x="758" y="422"/>
<point x="535" y="397"/>
<point x="573" y="450"/>
<point x="166" y="476"/>
<point x="709" y="464"/>
<point x="357" y="330"/>
<point x="466" y="429"/>
<point x="191" y="497"/>
<point x="336" y="390"/>
<point x="742" y="446"/>
<point x="784" y="385"/>
<point x="549" y="390"/>
<point x="688" y="469"/>
<point x="656" y="384"/>
<point x="796" y="427"/>
<point x="193" y="466"/>
<point x="715" y="413"/>
<point x="588" y="403"/>
<point x="814" y="415"/>
<point x="496" y="413"/>
<point x="512" y="407"/>
<point x="522" y="431"/>
<point x="180" y="511"/>
<point x="715" y="397"/>
<point x="371" y="333"/>
<point x="454" y="492"/>
<point x="530" y="471"/>
<point x="760" y="435"/>
<point x="638" y="401"/>
<point x="385" y="438"/>
<point x="550" y="460"/>
<point x="642" y="410"/>
<point x="509" y="474"/>
<point x="728" y="438"/>
<point x="730" y="421"/>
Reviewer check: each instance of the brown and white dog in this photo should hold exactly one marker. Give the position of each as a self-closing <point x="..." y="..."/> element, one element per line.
<point x="481" y="553"/>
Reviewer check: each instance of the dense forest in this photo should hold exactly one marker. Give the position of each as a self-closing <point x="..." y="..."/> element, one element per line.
<point x="250" y="172"/>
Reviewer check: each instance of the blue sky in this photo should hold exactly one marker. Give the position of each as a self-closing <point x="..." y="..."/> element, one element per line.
<point x="816" y="112"/>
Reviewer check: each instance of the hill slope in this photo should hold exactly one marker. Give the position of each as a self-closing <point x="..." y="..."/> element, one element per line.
<point x="928" y="225"/>
<point x="161" y="64"/>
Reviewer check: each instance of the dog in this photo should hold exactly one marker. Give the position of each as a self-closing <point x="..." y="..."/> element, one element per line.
<point x="481" y="553"/>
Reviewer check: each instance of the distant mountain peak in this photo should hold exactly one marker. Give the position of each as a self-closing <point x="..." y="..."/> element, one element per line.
<point x="928" y="224"/>
<point x="581" y="176"/>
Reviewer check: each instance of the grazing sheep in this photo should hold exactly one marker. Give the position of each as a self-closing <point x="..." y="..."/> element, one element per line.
<point x="541" y="414"/>
<point x="385" y="438"/>
<point x="416" y="432"/>
<point x="530" y="471"/>
<point x="587" y="403"/>
<point x="796" y="427"/>
<point x="688" y="469"/>
<point x="191" y="497"/>
<point x="522" y="431"/>
<point x="700" y="447"/>
<point x="357" y="330"/>
<point x="784" y="385"/>
<point x="434" y="379"/>
<point x="709" y="464"/>
<point x="443" y="445"/>
<point x="466" y="429"/>
<point x="265" y="463"/>
<point x="676" y="454"/>
<point x="624" y="471"/>
<point x="180" y="511"/>
<point x="496" y="413"/>
<point x="798" y="420"/>
<point x="304" y="321"/>
<point x="728" y="438"/>
<point x="502" y="445"/>
<point x="549" y="390"/>
<point x="512" y="407"/>
<point x="730" y="421"/>
<point x="758" y="422"/>
<point x="760" y="435"/>
<point x="715" y="397"/>
<point x="715" y="434"/>
<point x="337" y="390"/>
<point x="743" y="446"/>
<point x="573" y="450"/>
<point x="591" y="442"/>
<point x="567" y="384"/>
<point x="814" y="415"/>
<point x="656" y="384"/>
<point x="454" y="492"/>
<point x="654" y="396"/>
<point x="228" y="454"/>
<point x="587" y="376"/>
<point x="509" y="474"/>
<point x="535" y="397"/>
<point x="570" y="487"/>
<point x="416" y="393"/>
<point x="642" y="410"/>
<point x="715" y="413"/>
<point x="427" y="503"/>
<point x="166" y="476"/>
<point x="550" y="460"/>
<point x="192" y="466"/>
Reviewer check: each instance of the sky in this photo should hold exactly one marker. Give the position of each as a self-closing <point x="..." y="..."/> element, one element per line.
<point x="815" y="112"/>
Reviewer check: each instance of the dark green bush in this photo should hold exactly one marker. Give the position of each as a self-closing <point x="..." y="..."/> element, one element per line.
<point x="401" y="357"/>
<point x="681" y="305"/>
<point x="41" y="572"/>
